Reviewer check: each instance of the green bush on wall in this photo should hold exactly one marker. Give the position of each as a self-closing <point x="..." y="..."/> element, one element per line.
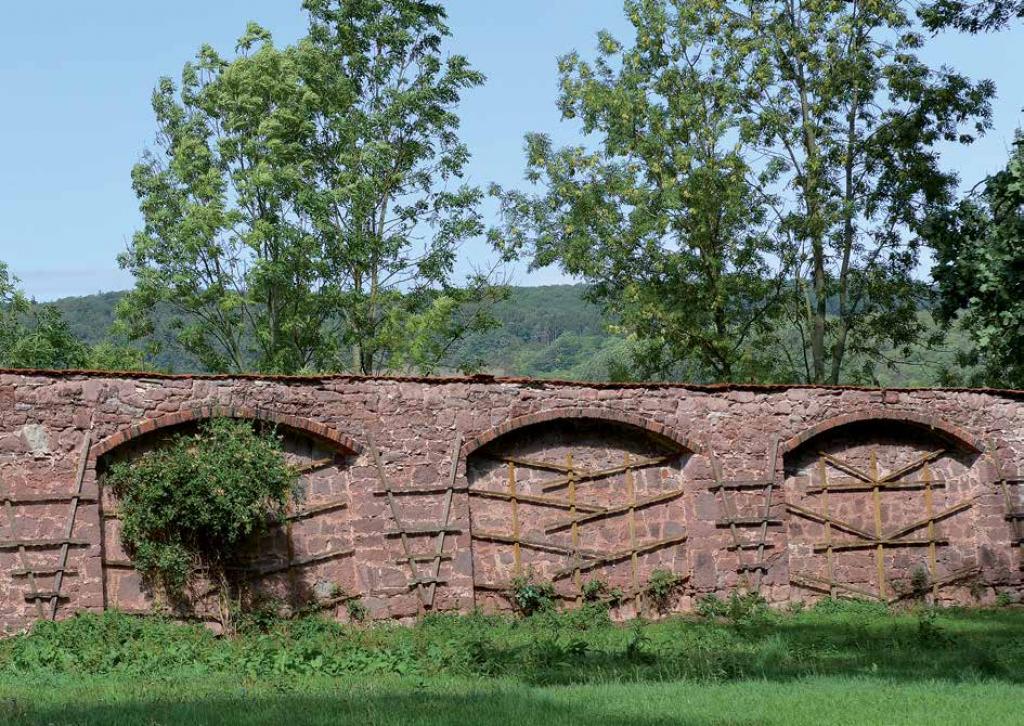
<point x="191" y="504"/>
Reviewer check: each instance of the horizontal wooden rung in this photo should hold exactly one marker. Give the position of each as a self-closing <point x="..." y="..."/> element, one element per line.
<point x="44" y="596"/>
<point x="741" y="484"/>
<point x="47" y="498"/>
<point x="316" y="509"/>
<point x="869" y="544"/>
<point x="439" y="489"/>
<point x="422" y="530"/>
<point x="422" y="558"/>
<point x="119" y="564"/>
<point x="41" y="571"/>
<point x="427" y="581"/>
<point x="748" y="522"/>
<point x="1018" y="514"/>
<point x="8" y="544"/>
<point x="855" y="485"/>
<point x="753" y="567"/>
<point x="749" y="545"/>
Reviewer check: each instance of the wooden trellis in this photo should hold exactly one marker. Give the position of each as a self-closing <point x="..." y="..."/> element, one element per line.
<point x="580" y="559"/>
<point x="426" y="586"/>
<point x="1012" y="487"/>
<point x="725" y="490"/>
<point x="878" y="538"/>
<point x="255" y="571"/>
<point x="63" y="543"/>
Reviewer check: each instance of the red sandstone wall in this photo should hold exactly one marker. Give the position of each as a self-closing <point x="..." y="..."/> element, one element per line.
<point x="343" y="539"/>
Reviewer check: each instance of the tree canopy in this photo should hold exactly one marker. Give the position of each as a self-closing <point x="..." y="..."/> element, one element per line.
<point x="305" y="207"/>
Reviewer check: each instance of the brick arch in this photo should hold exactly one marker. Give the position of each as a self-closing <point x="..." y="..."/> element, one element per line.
<point x="301" y="425"/>
<point x="925" y="422"/>
<point x="658" y="430"/>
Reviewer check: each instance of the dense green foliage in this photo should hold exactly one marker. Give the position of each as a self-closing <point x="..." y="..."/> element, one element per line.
<point x="191" y="504"/>
<point x="555" y="332"/>
<point x="304" y="208"/>
<point x="735" y="146"/>
<point x="980" y="272"/>
<point x="447" y="669"/>
<point x="39" y="336"/>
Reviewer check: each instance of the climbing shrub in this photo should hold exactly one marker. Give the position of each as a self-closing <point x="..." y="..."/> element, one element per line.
<point x="191" y="504"/>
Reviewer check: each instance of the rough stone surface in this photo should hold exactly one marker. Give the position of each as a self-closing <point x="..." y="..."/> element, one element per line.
<point x="946" y="529"/>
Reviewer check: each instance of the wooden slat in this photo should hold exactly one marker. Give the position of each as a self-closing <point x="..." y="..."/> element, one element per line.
<point x="620" y="555"/>
<point x="948" y="512"/>
<point x="393" y="506"/>
<point x="316" y="509"/>
<point x="42" y="543"/>
<point x="820" y="583"/>
<point x="530" y="543"/>
<point x="417" y="491"/>
<point x="617" y="510"/>
<point x="748" y="522"/>
<point x="423" y="559"/>
<point x="912" y="466"/>
<point x="439" y="548"/>
<point x="422" y="530"/>
<point x="257" y="572"/>
<point x="41" y="571"/>
<point x="739" y="484"/>
<point x="26" y="499"/>
<point x="855" y="485"/>
<point x="866" y="544"/>
<point x="534" y="499"/>
<point x="583" y="475"/>
<point x="835" y="522"/>
<point x="315" y="464"/>
<point x="69" y="530"/>
<point x="45" y="595"/>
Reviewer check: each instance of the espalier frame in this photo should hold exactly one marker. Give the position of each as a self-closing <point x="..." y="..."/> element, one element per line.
<point x="878" y="538"/>
<point x="573" y="479"/>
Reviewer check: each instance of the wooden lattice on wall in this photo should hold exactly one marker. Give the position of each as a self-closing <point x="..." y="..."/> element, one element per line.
<point x="889" y="529"/>
<point x="555" y="516"/>
<point x="300" y="561"/>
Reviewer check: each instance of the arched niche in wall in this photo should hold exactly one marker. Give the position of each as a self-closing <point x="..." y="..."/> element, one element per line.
<point x="302" y="560"/>
<point x="880" y="507"/>
<point x="573" y="499"/>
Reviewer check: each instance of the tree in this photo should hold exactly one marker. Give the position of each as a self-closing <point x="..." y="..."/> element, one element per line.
<point x="38" y="336"/>
<point x="979" y="251"/>
<point x="657" y="215"/>
<point x="973" y="17"/>
<point x="831" y="120"/>
<point x="307" y="212"/>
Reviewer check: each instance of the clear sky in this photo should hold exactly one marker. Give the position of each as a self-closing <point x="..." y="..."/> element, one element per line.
<point x="76" y="79"/>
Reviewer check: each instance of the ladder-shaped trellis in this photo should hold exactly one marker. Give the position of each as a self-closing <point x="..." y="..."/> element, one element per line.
<point x="579" y="559"/>
<point x="1012" y="488"/>
<point x="425" y="584"/>
<point x="63" y="544"/>
<point x="878" y="538"/>
<point x="725" y="491"/>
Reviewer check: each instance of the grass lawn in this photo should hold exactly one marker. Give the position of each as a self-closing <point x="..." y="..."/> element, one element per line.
<point x="838" y="664"/>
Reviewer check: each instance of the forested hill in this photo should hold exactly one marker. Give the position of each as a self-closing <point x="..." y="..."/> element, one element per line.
<point x="546" y="331"/>
<point x="543" y="332"/>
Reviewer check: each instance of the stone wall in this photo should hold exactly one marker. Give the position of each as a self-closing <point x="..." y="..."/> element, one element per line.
<point x="797" y="492"/>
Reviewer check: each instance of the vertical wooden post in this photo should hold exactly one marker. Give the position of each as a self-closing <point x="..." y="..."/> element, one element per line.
<point x="1011" y="509"/>
<point x="517" y="557"/>
<point x="933" y="565"/>
<point x="823" y="469"/>
<point x="879" y="548"/>
<point x="575" y="527"/>
<point x="631" y="493"/>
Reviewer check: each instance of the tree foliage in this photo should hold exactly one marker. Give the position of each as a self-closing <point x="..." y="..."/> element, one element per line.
<point x="737" y="135"/>
<point x="190" y="504"/>
<point x="973" y="17"/>
<point x="39" y="336"/>
<point x="979" y="250"/>
<point x="304" y="209"/>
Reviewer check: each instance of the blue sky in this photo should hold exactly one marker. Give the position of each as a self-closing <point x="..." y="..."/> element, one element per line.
<point x="76" y="79"/>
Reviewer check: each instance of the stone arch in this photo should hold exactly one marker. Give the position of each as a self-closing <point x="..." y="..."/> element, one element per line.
<point x="924" y="422"/>
<point x="296" y="560"/>
<point x="298" y="424"/>
<point x="609" y="486"/>
<point x="877" y="498"/>
<point x="662" y="432"/>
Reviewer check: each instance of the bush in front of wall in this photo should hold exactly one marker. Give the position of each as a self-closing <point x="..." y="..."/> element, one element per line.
<point x="190" y="505"/>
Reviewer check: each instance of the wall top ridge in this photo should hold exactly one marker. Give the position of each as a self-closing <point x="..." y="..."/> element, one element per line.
<point x="487" y="379"/>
